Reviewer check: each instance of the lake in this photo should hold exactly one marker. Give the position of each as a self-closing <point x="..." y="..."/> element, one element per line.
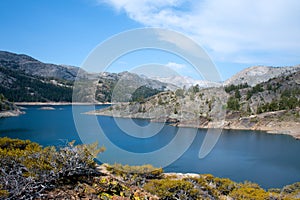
<point x="269" y="160"/>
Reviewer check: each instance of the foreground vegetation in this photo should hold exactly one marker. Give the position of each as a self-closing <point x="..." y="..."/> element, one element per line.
<point x="29" y="171"/>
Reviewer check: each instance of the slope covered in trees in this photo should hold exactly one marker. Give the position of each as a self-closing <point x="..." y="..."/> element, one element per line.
<point x="18" y="87"/>
<point x="281" y="93"/>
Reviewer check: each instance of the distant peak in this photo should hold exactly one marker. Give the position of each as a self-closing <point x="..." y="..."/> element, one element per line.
<point x="258" y="74"/>
<point x="9" y="56"/>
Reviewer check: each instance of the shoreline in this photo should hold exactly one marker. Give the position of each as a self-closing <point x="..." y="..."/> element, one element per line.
<point x="276" y="129"/>
<point x="270" y="127"/>
<point x="58" y="103"/>
<point x="11" y="113"/>
<point x="293" y="132"/>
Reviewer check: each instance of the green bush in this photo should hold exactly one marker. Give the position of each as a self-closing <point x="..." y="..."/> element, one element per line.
<point x="179" y="92"/>
<point x="256" y="89"/>
<point x="232" y="87"/>
<point x="249" y="191"/>
<point x="194" y="89"/>
<point x="172" y="189"/>
<point x="224" y="185"/>
<point x="233" y="104"/>
<point x="135" y="174"/>
<point x="143" y="92"/>
<point x="237" y="94"/>
<point x="27" y="168"/>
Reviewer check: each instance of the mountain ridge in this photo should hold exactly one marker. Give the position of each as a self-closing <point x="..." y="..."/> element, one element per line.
<point x="186" y="81"/>
<point x="21" y="74"/>
<point x="258" y="74"/>
<point x="272" y="106"/>
<point x="34" y="67"/>
<point x="61" y="77"/>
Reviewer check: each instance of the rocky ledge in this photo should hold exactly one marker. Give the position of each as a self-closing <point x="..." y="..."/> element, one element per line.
<point x="11" y="113"/>
<point x="277" y="122"/>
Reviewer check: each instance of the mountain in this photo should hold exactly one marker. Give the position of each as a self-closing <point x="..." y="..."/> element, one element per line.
<point x="186" y="81"/>
<point x="24" y="78"/>
<point x="258" y="74"/>
<point x="126" y="86"/>
<point x="273" y="105"/>
<point x="18" y="86"/>
<point x="31" y="66"/>
<point x="252" y="76"/>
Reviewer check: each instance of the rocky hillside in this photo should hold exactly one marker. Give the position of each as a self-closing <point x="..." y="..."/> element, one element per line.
<point x="258" y="74"/>
<point x="118" y="87"/>
<point x="179" y="106"/>
<point x="24" y="78"/>
<point x="33" y="67"/>
<point x="272" y="106"/>
<point x="127" y="86"/>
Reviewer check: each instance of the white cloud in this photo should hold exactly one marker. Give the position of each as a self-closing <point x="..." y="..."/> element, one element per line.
<point x="176" y="66"/>
<point x="229" y="30"/>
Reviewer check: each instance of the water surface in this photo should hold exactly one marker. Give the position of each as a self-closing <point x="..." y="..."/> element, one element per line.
<point x="269" y="160"/>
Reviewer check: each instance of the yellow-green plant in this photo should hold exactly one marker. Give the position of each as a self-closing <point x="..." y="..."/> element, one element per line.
<point x="135" y="174"/>
<point x="27" y="168"/>
<point x="249" y="191"/>
<point x="172" y="189"/>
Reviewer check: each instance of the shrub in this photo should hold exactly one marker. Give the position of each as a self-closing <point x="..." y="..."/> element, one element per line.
<point x="233" y="104"/>
<point x="194" y="89"/>
<point x="135" y="174"/>
<point x="256" y="89"/>
<point x="160" y="101"/>
<point x="249" y="191"/>
<point x="224" y="185"/>
<point x="179" y="92"/>
<point x="291" y="189"/>
<point x="232" y="87"/>
<point x="237" y="94"/>
<point x="27" y="169"/>
<point x="172" y="189"/>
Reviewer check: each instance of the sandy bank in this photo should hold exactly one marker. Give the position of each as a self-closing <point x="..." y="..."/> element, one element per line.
<point x="57" y="103"/>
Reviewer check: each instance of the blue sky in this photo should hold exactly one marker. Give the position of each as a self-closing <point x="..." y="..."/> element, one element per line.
<point x="235" y="34"/>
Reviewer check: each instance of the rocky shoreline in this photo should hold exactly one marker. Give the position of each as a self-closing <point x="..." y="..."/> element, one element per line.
<point x="281" y="128"/>
<point x="11" y="113"/>
<point x="58" y="103"/>
<point x="269" y="122"/>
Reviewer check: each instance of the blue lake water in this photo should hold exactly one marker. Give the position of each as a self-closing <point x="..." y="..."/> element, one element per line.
<point x="269" y="160"/>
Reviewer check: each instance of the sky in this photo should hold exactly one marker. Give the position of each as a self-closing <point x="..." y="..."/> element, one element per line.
<point x="234" y="33"/>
